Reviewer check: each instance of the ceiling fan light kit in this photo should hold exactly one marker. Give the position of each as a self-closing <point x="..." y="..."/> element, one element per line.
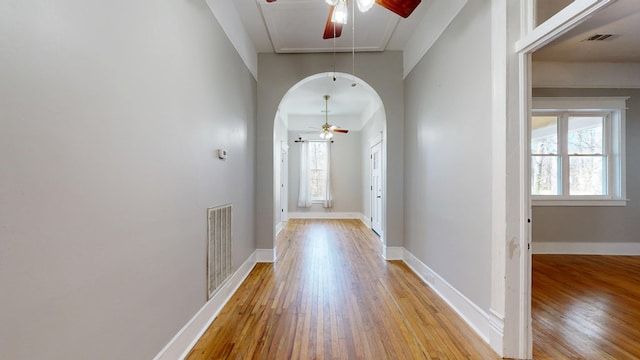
<point x="340" y="13"/>
<point x="365" y="5"/>
<point x="327" y="129"/>
<point x="326" y="135"/>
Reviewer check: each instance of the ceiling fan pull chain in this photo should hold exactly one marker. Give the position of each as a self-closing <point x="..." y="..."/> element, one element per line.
<point x="353" y="42"/>
<point x="334" y="53"/>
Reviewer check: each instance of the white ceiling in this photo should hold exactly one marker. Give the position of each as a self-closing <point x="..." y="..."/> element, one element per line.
<point x="348" y="105"/>
<point x="621" y="18"/>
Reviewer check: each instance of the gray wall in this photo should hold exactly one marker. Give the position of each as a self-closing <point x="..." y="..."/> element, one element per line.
<point x="278" y="73"/>
<point x="110" y="113"/>
<point x="597" y="223"/>
<point x="346" y="179"/>
<point x="448" y="155"/>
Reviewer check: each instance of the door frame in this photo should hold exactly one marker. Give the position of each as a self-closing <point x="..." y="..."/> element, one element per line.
<point x="283" y="187"/>
<point x="373" y="142"/>
<point x="517" y="289"/>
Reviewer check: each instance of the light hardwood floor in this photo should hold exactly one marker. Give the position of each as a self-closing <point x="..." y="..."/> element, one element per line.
<point x="586" y="307"/>
<point x="331" y="295"/>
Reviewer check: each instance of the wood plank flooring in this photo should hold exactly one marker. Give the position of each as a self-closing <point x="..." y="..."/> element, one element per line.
<point x="586" y="307"/>
<point x="331" y="295"/>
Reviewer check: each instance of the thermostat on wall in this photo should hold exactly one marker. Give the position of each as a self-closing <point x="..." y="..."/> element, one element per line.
<point x="222" y="154"/>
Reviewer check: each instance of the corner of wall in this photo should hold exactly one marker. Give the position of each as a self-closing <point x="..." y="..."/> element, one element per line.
<point x="266" y="255"/>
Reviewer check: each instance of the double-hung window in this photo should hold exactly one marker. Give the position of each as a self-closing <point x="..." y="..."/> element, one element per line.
<point x="318" y="166"/>
<point x="577" y="151"/>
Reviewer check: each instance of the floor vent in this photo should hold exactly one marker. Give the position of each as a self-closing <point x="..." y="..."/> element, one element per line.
<point x="219" y="247"/>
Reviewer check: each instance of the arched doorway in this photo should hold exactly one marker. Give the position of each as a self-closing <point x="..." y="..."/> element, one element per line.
<point x="358" y="158"/>
<point x="279" y="73"/>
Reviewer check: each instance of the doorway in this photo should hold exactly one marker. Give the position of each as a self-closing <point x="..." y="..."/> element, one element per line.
<point x="536" y="36"/>
<point x="300" y="113"/>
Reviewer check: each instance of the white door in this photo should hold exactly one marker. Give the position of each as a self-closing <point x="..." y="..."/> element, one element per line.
<point x="376" y="188"/>
<point x="284" y="175"/>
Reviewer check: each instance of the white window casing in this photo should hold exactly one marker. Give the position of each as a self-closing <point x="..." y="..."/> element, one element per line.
<point x="613" y="109"/>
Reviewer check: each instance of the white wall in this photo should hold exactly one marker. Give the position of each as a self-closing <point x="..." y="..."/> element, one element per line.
<point x="110" y="113"/>
<point x="346" y="173"/>
<point x="448" y="155"/>
<point x="278" y="73"/>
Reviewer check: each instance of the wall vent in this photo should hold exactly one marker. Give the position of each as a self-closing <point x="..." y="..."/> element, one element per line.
<point x="219" y="247"/>
<point x="598" y="37"/>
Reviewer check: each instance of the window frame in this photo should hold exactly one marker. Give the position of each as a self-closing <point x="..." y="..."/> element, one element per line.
<point x="326" y="144"/>
<point x="613" y="148"/>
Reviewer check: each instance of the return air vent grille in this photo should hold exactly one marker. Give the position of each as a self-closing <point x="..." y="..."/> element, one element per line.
<point x="219" y="247"/>
<point x="598" y="37"/>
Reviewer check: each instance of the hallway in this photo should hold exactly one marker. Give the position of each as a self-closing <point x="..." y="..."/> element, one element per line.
<point x="331" y="295"/>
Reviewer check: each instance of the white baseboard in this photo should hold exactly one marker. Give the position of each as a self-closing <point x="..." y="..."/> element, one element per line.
<point x="392" y="253"/>
<point x="330" y="215"/>
<point x="473" y="315"/>
<point x="365" y="220"/>
<point x="266" y="255"/>
<point x="279" y="227"/>
<point x="324" y="215"/>
<point x="570" y="248"/>
<point x="186" y="338"/>
<point x="496" y="331"/>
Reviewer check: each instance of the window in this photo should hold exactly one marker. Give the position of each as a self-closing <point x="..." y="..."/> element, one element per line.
<point x="577" y="151"/>
<point x="318" y="170"/>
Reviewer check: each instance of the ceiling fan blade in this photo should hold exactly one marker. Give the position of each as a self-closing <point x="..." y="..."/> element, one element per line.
<point x="403" y="8"/>
<point x="331" y="28"/>
<point x="344" y="131"/>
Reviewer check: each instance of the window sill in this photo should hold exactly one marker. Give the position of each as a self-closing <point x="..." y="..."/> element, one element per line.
<point x="579" y="202"/>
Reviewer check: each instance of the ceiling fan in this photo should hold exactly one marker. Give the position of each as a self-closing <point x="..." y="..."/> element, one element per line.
<point x="327" y="129"/>
<point x="338" y="12"/>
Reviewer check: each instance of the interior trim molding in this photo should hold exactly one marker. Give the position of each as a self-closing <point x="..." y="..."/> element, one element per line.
<point x="586" y="248"/>
<point x="325" y="215"/>
<point x="496" y="329"/>
<point x="279" y="227"/>
<point x="499" y="160"/>
<point x="186" y="338"/>
<point x="558" y="24"/>
<point x="365" y="220"/>
<point x="471" y="313"/>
